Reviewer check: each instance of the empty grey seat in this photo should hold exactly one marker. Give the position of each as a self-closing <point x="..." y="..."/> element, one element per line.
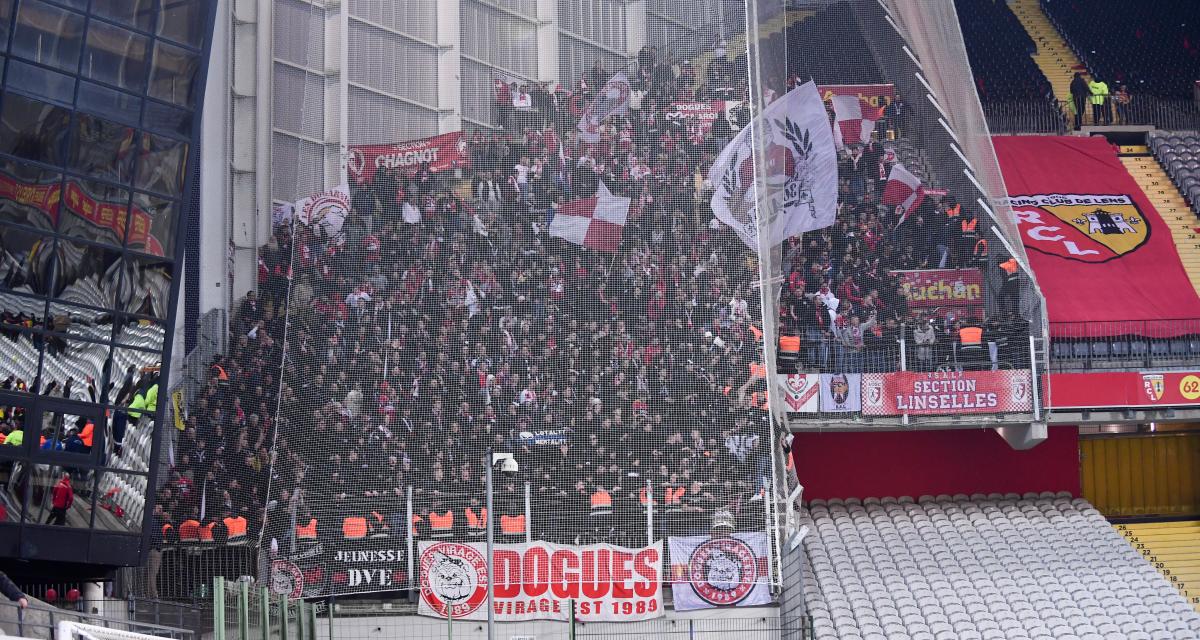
<point x="1045" y="565"/>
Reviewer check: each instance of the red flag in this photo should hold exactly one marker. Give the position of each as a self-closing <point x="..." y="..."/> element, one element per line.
<point x="903" y="190"/>
<point x="595" y="222"/>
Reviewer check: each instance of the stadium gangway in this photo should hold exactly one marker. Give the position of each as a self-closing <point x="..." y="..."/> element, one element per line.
<point x="41" y="621"/>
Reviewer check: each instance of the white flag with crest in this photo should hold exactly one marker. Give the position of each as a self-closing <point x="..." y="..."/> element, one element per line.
<point x="612" y="98"/>
<point x="799" y="192"/>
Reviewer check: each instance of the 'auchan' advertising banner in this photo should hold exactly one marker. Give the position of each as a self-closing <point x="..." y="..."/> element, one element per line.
<point x="537" y="580"/>
<point x="946" y="393"/>
<point x="944" y="291"/>
<point x="875" y="95"/>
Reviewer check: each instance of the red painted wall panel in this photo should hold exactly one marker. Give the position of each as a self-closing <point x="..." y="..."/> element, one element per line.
<point x="915" y="463"/>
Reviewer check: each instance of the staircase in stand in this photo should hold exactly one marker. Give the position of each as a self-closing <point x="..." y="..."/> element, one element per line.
<point x="1165" y="197"/>
<point x="1174" y="549"/>
<point x="1053" y="56"/>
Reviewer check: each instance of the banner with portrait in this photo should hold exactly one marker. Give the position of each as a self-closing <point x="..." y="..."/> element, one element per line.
<point x="841" y="392"/>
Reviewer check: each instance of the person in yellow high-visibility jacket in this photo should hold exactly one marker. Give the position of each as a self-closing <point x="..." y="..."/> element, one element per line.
<point x="1101" y="111"/>
<point x="147" y="401"/>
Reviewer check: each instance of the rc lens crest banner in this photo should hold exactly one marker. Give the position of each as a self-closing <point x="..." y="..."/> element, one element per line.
<point x="1100" y="250"/>
<point x="1089" y="228"/>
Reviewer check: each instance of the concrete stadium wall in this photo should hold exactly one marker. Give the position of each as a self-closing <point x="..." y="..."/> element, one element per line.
<point x="753" y="620"/>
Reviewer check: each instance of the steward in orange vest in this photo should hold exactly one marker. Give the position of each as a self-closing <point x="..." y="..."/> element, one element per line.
<point x="476" y="521"/>
<point x="601" y="503"/>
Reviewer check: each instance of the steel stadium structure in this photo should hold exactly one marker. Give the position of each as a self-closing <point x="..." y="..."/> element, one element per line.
<point x="557" y="318"/>
<point x="100" y="114"/>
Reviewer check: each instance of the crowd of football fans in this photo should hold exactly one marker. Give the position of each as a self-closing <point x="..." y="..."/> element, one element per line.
<point x="443" y="319"/>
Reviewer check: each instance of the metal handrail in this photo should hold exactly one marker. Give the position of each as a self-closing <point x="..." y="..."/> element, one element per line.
<point x="45" y="629"/>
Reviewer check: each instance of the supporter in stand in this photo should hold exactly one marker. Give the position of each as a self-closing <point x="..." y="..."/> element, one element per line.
<point x="12" y="591"/>
<point x="1081" y="94"/>
<point x="1122" y="99"/>
<point x="1101" y="110"/>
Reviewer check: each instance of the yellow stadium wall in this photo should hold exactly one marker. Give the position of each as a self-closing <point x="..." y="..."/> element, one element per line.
<point x="1144" y="475"/>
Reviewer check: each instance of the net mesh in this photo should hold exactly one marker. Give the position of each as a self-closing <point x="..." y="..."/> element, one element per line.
<point x="438" y="306"/>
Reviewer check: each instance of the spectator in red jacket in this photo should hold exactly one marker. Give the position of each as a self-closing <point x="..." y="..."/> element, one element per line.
<point x="62" y="497"/>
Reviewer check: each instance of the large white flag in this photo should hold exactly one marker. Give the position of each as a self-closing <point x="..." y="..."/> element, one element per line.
<point x="612" y="98"/>
<point x="800" y="189"/>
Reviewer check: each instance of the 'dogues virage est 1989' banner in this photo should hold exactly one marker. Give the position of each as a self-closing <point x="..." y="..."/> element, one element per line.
<point x="537" y="580"/>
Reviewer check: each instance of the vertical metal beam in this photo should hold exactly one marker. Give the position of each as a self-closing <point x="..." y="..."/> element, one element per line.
<point x="264" y="613"/>
<point x="411" y="534"/>
<point x="528" y="517"/>
<point x="649" y="512"/>
<point x="218" y="608"/>
<point x="491" y="547"/>
<point x="283" y="617"/>
<point x="1033" y="371"/>
<point x="243" y="611"/>
<point x="330" y="610"/>
<point x="570" y="620"/>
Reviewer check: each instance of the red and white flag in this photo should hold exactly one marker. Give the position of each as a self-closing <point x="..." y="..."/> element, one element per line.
<point x="612" y="98"/>
<point x="595" y="222"/>
<point x="855" y="121"/>
<point x="903" y="190"/>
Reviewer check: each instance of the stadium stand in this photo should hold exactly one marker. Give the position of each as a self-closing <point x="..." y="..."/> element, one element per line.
<point x="1149" y="46"/>
<point x="1174" y="549"/>
<point x="825" y="32"/>
<point x="1016" y="96"/>
<point x="1179" y="154"/>
<point x="983" y="567"/>
<point x="1001" y="52"/>
<point x="452" y="290"/>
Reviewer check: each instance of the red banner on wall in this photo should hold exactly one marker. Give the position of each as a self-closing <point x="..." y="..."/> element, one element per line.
<point x="447" y="151"/>
<point x="1123" y="389"/>
<point x="1100" y="250"/>
<point x="946" y="393"/>
<point x="944" y="290"/>
<point x="876" y="95"/>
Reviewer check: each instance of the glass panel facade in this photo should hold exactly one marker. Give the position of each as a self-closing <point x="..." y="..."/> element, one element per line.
<point x="98" y="102"/>
<point x="138" y="14"/>
<point x="173" y="73"/>
<point x="181" y="21"/>
<point x="48" y="35"/>
<point x="33" y="130"/>
<point x="115" y="56"/>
